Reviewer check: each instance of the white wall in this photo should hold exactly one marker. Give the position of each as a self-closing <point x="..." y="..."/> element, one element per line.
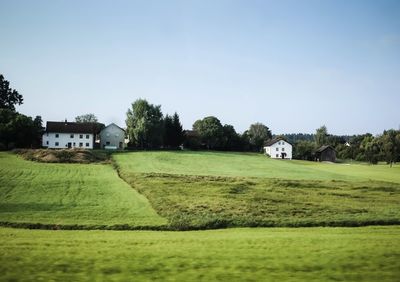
<point x="275" y="150"/>
<point x="50" y="139"/>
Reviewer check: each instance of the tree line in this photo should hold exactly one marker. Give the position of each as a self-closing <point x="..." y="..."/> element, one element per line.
<point x="384" y="147"/>
<point x="148" y="128"/>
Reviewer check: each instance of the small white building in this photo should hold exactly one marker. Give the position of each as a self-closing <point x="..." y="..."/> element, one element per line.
<point x="62" y="135"/>
<point x="278" y="148"/>
<point x="112" y="137"/>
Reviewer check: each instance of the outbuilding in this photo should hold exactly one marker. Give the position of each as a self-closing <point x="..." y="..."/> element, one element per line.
<point x="112" y="137"/>
<point x="325" y="153"/>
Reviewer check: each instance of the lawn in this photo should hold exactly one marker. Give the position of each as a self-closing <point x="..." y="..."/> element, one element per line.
<point x="213" y="190"/>
<point x="258" y="254"/>
<point x="69" y="194"/>
<point x="250" y="165"/>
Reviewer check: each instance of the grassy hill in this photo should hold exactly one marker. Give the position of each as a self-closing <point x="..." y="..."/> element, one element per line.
<point x="69" y="194"/>
<point x="275" y="254"/>
<point x="212" y="190"/>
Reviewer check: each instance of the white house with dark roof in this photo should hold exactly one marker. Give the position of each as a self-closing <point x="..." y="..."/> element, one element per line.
<point x="278" y="148"/>
<point x="61" y="135"/>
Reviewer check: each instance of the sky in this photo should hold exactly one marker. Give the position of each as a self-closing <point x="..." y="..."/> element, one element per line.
<point x="291" y="65"/>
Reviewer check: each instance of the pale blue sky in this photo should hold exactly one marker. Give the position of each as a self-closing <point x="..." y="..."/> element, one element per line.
<point x="292" y="65"/>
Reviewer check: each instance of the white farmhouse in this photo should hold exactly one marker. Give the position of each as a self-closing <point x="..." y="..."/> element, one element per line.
<point x="278" y="148"/>
<point x="112" y="137"/>
<point x="61" y="135"/>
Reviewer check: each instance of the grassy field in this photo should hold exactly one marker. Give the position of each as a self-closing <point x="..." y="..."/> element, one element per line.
<point x="275" y="254"/>
<point x="69" y="194"/>
<point x="250" y="165"/>
<point x="214" y="190"/>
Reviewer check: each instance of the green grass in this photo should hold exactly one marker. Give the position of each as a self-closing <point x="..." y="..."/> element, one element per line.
<point x="275" y="254"/>
<point x="69" y="194"/>
<point x="213" y="190"/>
<point x="250" y="165"/>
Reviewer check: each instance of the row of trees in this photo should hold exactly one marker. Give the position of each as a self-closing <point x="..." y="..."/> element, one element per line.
<point x="148" y="128"/>
<point x="365" y="147"/>
<point x="16" y="130"/>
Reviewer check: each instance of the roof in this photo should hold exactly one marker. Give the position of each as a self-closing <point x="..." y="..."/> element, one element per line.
<point x="323" y="148"/>
<point x="74" y="127"/>
<point x="114" y="125"/>
<point x="274" y="140"/>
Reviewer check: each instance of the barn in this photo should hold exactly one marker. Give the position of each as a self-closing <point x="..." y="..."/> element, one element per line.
<point x="325" y="153"/>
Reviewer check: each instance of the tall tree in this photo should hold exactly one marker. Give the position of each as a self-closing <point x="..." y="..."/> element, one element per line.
<point x="321" y="136"/>
<point x="178" y="136"/>
<point x="145" y="124"/>
<point x="169" y="133"/>
<point x="258" y="134"/>
<point x="210" y="131"/>
<point x="8" y="97"/>
<point x="86" y="118"/>
<point x="390" y="145"/>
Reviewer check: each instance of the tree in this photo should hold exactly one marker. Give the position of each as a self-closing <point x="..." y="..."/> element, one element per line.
<point x="258" y="133"/>
<point x="390" y="141"/>
<point x="371" y="149"/>
<point x="321" y="136"/>
<point x="178" y="136"/>
<point x="304" y="150"/>
<point x="210" y="131"/>
<point x="145" y="124"/>
<point x="86" y="118"/>
<point x="168" y="136"/>
<point x="8" y="97"/>
<point x="19" y="131"/>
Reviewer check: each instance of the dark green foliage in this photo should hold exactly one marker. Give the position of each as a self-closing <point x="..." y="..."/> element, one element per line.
<point x="8" y="97"/>
<point x="304" y="150"/>
<point x="19" y="131"/>
<point x="210" y="131"/>
<point x="258" y="133"/>
<point x="173" y="132"/>
<point x="145" y="125"/>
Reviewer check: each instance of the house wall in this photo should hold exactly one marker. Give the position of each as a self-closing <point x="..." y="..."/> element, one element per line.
<point x="275" y="150"/>
<point x="49" y="140"/>
<point x="112" y="136"/>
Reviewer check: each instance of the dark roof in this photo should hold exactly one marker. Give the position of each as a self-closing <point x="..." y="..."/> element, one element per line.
<point x="323" y="148"/>
<point x="274" y="140"/>
<point x="74" y="127"/>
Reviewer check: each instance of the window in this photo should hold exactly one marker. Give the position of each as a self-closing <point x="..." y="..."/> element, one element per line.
<point x="57" y="135"/>
<point x="277" y="149"/>
<point x="87" y="144"/>
<point x="107" y="143"/>
<point x="72" y="136"/>
<point x="283" y="149"/>
<point x="80" y="136"/>
<point x="56" y="143"/>
<point x="87" y="136"/>
<point x="283" y="143"/>
<point x="74" y="144"/>
<point x="47" y="142"/>
<point x="277" y="155"/>
<point x="80" y="144"/>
